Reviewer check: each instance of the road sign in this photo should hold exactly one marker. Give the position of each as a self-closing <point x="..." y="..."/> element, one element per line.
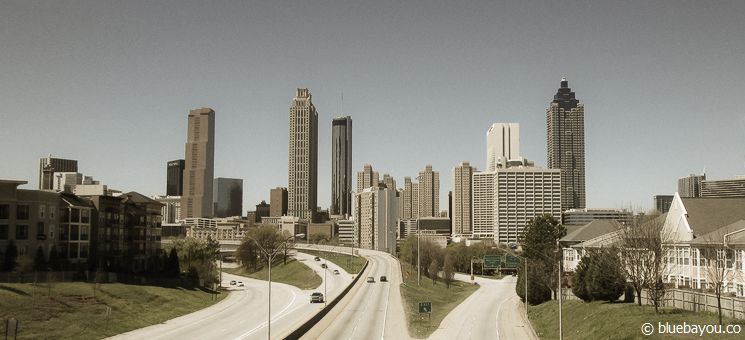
<point x="492" y="261"/>
<point x="425" y="307"/>
<point x="512" y="261"/>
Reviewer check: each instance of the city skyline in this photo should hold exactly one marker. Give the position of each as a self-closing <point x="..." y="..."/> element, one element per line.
<point x="116" y="88"/>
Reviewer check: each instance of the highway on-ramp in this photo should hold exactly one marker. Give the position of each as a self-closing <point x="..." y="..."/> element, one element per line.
<point x="494" y="311"/>
<point x="243" y="313"/>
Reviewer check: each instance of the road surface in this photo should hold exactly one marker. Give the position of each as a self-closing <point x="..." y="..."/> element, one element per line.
<point x="375" y="310"/>
<point x="243" y="313"/>
<point x="494" y="311"/>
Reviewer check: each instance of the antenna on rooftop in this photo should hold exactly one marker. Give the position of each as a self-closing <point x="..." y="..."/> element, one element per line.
<point x="342" y="103"/>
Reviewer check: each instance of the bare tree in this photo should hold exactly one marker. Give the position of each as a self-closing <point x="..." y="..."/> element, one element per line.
<point x="448" y="270"/>
<point x="642" y="256"/>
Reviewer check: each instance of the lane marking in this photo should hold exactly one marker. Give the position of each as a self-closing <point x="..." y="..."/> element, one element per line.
<point x="276" y="317"/>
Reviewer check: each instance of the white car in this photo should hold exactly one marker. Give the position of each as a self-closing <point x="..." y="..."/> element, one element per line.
<point x="232" y="283"/>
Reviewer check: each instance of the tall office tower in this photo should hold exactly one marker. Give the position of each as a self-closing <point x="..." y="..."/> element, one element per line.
<point x="48" y="166"/>
<point x="482" y="186"/>
<point x="406" y="199"/>
<point x="460" y="213"/>
<point x="303" y="159"/>
<point x="376" y="213"/>
<point x="389" y="181"/>
<point x="278" y="202"/>
<point x="690" y="186"/>
<point x="196" y="198"/>
<point x="502" y="142"/>
<point x="228" y="197"/>
<point x="175" y="178"/>
<point x="429" y="192"/>
<point x="734" y="187"/>
<point x="341" y="166"/>
<point x="366" y="178"/>
<point x="565" y="143"/>
<point x="662" y="203"/>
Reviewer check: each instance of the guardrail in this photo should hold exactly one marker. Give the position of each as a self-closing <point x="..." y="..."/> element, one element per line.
<point x="306" y="326"/>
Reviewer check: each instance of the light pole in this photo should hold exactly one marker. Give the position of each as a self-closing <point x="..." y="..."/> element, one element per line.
<point x="418" y="258"/>
<point x="270" y="257"/>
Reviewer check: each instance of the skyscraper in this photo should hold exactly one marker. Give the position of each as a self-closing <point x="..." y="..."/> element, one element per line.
<point x="462" y="199"/>
<point x="733" y="187"/>
<point x="376" y="213"/>
<point x="278" y="202"/>
<point x="502" y="141"/>
<point x="303" y="156"/>
<point x="341" y="166"/>
<point x="196" y="199"/>
<point x="48" y="166"/>
<point x="389" y="181"/>
<point x="175" y="178"/>
<point x="662" y="203"/>
<point x="690" y="186"/>
<point x="228" y="197"/>
<point x="366" y="178"/>
<point x="429" y="192"/>
<point x="565" y="144"/>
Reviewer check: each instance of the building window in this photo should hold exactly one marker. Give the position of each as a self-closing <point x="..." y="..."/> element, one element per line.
<point x="52" y="211"/>
<point x="83" y="251"/>
<point x="3" y="231"/>
<point x="74" y="250"/>
<point x="74" y="233"/>
<point x="75" y="215"/>
<point x="22" y="212"/>
<point x="42" y="210"/>
<point x="63" y="234"/>
<point x="4" y="211"/>
<point x="40" y="231"/>
<point x="83" y="233"/>
<point x="86" y="216"/>
<point x="21" y="232"/>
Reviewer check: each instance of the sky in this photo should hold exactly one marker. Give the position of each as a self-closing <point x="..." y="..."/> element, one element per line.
<point x="110" y="83"/>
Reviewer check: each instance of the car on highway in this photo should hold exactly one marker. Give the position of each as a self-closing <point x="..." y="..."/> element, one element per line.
<point x="316" y="297"/>
<point x="323" y="265"/>
<point x="336" y="271"/>
<point x="383" y="278"/>
<point x="232" y="283"/>
<point x="240" y="283"/>
<point x="317" y="258"/>
<point x="370" y="279"/>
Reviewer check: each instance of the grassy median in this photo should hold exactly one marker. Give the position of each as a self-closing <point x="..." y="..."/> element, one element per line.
<point x="74" y="310"/>
<point x="443" y="301"/>
<point x="293" y="273"/>
<point x="352" y="264"/>
<point x="602" y="320"/>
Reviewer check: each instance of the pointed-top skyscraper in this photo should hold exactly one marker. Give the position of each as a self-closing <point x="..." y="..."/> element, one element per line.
<point x="303" y="156"/>
<point x="565" y="145"/>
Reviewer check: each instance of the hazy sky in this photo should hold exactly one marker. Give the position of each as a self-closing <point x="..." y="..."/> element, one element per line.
<point x="110" y="83"/>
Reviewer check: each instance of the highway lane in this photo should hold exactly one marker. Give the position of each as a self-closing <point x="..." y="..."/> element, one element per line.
<point x="494" y="311"/>
<point x="375" y="310"/>
<point x="243" y="313"/>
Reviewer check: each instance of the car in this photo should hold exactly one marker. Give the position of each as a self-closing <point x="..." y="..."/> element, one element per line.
<point x="370" y="279"/>
<point x="317" y="258"/>
<point x="240" y="283"/>
<point x="323" y="265"/>
<point x="316" y="297"/>
<point x="383" y="278"/>
<point x="336" y="271"/>
<point x="232" y="283"/>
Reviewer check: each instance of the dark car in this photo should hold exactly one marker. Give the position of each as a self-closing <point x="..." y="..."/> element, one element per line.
<point x="323" y="265"/>
<point x="316" y="297"/>
<point x="317" y="258"/>
<point x="383" y="279"/>
<point x="370" y="279"/>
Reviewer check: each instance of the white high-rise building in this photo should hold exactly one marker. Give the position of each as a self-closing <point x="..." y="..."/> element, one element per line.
<point x="429" y="193"/>
<point x="462" y="199"/>
<point x="502" y="142"/>
<point x="366" y="178"/>
<point x="482" y="186"/>
<point x="376" y="215"/>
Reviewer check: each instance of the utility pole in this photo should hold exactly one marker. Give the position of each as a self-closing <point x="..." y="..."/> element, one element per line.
<point x="526" y="285"/>
<point x="418" y="258"/>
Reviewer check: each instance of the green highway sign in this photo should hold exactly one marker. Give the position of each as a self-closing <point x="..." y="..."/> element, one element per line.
<point x="425" y="307"/>
<point x="512" y="261"/>
<point x="492" y="261"/>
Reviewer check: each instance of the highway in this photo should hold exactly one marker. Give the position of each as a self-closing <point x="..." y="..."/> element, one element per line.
<point x="243" y="313"/>
<point x="494" y="311"/>
<point x="374" y="310"/>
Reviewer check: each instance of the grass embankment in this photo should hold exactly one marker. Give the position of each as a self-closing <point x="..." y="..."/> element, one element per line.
<point x="443" y="301"/>
<point x="74" y="311"/>
<point x="602" y="320"/>
<point x="293" y="273"/>
<point x="352" y="264"/>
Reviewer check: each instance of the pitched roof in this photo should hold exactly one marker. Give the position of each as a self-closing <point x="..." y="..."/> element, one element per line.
<point x="139" y="198"/>
<point x="706" y="215"/>
<point x="590" y="230"/>
<point x="717" y="236"/>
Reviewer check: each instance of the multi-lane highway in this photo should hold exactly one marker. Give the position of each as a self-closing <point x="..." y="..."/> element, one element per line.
<point x="243" y="313"/>
<point x="494" y="311"/>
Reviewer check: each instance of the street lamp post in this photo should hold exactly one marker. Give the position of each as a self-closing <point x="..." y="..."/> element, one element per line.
<point x="270" y="257"/>
<point x="418" y="258"/>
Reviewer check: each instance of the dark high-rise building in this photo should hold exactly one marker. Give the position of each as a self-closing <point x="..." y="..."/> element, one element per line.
<point x="690" y="186"/>
<point x="341" y="166"/>
<point x="303" y="156"/>
<point x="663" y="202"/>
<point x="228" y="197"/>
<point x="48" y="166"/>
<point x="565" y="143"/>
<point x="262" y="210"/>
<point x="175" y="178"/>
<point x="196" y="198"/>
<point x="278" y="202"/>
